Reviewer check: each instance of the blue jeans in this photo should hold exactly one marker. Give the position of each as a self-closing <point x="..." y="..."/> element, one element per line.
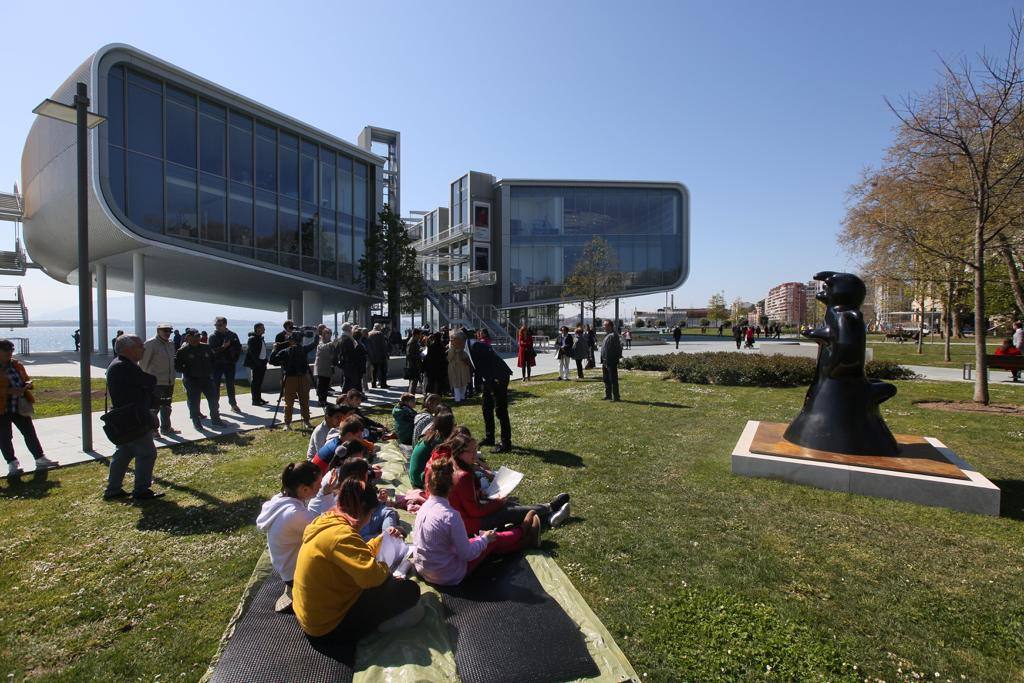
<point x="227" y="371"/>
<point x="383" y="519"/>
<point x="195" y="389"/>
<point x="144" y="451"/>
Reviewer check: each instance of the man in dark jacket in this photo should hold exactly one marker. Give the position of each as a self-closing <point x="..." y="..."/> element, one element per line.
<point x="195" y="363"/>
<point x="611" y="354"/>
<point x="257" y="353"/>
<point x="292" y="357"/>
<point x="494" y="375"/>
<point x="677" y="334"/>
<point x="351" y="359"/>
<point x="226" y="349"/>
<point x="130" y="387"/>
<point x="377" y="345"/>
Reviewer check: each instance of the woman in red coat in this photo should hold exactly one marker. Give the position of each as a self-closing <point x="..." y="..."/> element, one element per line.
<point x="527" y="357"/>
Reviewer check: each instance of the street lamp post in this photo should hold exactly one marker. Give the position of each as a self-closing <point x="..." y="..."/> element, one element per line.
<point x="83" y="119"/>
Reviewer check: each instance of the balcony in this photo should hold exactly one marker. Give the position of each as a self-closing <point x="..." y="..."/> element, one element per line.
<point x="445" y="237"/>
<point x="476" y="278"/>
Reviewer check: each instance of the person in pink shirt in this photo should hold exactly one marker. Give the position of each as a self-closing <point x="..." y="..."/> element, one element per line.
<point x="442" y="552"/>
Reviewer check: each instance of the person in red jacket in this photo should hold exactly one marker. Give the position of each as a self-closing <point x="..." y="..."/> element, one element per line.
<point x="1008" y="349"/>
<point x="478" y="512"/>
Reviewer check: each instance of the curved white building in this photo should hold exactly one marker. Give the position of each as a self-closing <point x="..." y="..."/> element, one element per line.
<point x="197" y="192"/>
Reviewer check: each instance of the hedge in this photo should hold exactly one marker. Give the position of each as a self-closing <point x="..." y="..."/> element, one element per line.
<point x="748" y="370"/>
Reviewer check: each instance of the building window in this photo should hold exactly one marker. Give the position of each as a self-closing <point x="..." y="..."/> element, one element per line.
<point x="266" y="226"/>
<point x="307" y="172"/>
<point x="213" y="204"/>
<point x="240" y="148"/>
<point x="212" y="138"/>
<point x="145" y="188"/>
<point x="460" y="201"/>
<point x="288" y="165"/>
<point x="181" y="202"/>
<point x="240" y="212"/>
<point x="180" y="109"/>
<point x="266" y="157"/>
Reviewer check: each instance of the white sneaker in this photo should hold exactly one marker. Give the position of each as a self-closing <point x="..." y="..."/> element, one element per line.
<point x="406" y="619"/>
<point x="45" y="463"/>
<point x="13" y="469"/>
<point x="559" y="517"/>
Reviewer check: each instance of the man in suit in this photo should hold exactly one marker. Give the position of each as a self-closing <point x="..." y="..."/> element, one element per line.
<point x="611" y="353"/>
<point x="494" y="376"/>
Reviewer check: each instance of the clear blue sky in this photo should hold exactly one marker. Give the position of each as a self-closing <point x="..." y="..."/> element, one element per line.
<point x="766" y="111"/>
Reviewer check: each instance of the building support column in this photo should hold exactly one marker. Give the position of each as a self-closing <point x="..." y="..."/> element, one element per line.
<point x="617" y="326"/>
<point x="295" y="311"/>
<point x="312" y="307"/>
<point x="101" y="309"/>
<point x="139" y="292"/>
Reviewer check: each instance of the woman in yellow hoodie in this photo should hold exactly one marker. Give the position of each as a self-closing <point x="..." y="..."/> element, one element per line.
<point x="341" y="592"/>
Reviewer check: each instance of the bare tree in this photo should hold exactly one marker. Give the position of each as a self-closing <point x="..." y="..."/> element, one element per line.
<point x="596" y="278"/>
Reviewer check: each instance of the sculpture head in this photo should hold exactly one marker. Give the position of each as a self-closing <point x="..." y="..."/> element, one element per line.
<point x="841" y="289"/>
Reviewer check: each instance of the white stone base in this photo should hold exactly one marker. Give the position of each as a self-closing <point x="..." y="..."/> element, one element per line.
<point x="975" y="494"/>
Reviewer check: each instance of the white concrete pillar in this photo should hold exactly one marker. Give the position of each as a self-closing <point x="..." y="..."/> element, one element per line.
<point x="103" y="335"/>
<point x="139" y="292"/>
<point x="295" y="311"/>
<point x="312" y="307"/>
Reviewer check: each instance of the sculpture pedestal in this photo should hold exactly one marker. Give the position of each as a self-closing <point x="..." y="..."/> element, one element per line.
<point x="927" y="472"/>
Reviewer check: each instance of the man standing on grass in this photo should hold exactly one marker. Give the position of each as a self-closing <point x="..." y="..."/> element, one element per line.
<point x="611" y="354"/>
<point x="131" y="395"/>
<point x="494" y="375"/>
<point x="158" y="360"/>
<point x="195" y="363"/>
<point x="226" y="349"/>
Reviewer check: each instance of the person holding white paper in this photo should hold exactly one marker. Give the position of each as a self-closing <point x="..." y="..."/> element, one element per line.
<point x="477" y="511"/>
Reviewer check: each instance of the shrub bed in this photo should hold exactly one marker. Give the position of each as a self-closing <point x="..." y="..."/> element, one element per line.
<point x="748" y="370"/>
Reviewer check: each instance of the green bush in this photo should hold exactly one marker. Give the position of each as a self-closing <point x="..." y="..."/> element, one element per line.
<point x="748" y="370"/>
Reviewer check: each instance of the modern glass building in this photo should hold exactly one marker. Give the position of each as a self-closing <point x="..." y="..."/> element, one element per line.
<point x="213" y="196"/>
<point x="510" y="245"/>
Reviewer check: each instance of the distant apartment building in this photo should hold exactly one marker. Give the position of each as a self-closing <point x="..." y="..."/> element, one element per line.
<point x="786" y="303"/>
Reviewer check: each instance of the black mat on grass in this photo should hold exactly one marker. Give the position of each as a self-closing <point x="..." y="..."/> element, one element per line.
<point x="508" y="629"/>
<point x="267" y="647"/>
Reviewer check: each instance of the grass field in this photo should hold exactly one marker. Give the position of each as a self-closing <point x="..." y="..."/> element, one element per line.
<point x="906" y="353"/>
<point x="698" y="575"/>
<point x="61" y="395"/>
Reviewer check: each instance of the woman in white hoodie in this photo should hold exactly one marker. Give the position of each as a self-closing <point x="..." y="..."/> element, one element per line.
<point x="284" y="518"/>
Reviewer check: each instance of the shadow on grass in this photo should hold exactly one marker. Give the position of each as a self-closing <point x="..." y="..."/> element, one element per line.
<point x="168" y="516"/>
<point x="656" y="404"/>
<point x="552" y="456"/>
<point x="34" y="485"/>
<point x="1011" y="499"/>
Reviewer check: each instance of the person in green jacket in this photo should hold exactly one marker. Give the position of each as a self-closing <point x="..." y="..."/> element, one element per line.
<point x="439" y="430"/>
<point x="405" y="415"/>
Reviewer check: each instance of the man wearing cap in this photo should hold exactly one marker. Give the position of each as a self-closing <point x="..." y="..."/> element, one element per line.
<point x="226" y="349"/>
<point x="195" y="363"/>
<point x="158" y="360"/>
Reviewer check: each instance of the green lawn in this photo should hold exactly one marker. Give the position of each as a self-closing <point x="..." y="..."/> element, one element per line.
<point x="906" y="353"/>
<point x="62" y="396"/>
<point x="699" y="575"/>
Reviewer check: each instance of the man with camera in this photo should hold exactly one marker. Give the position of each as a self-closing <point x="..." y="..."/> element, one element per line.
<point x="158" y="360"/>
<point x="130" y="423"/>
<point x="293" y="358"/>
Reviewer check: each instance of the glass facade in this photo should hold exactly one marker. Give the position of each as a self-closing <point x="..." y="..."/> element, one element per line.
<point x="550" y="226"/>
<point x="198" y="170"/>
<point x="460" y="201"/>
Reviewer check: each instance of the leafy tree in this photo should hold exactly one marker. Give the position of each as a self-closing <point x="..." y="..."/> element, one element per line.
<point x="716" y="307"/>
<point x="389" y="266"/>
<point x="596" y="278"/>
<point x="638" y="323"/>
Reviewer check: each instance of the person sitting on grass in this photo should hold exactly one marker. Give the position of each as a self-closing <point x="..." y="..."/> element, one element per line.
<point x="405" y="416"/>
<point x="284" y="517"/>
<point x="478" y="511"/>
<point x="384" y="517"/>
<point x="375" y="431"/>
<point x="351" y="429"/>
<point x="333" y="415"/>
<point x="1008" y="349"/>
<point x="443" y="554"/>
<point x="431" y="404"/>
<point x="341" y="592"/>
<point x="439" y="431"/>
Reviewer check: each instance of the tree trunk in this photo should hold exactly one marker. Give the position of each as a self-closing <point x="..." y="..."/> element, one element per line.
<point x="981" y="378"/>
<point x="949" y="322"/>
<point x="1011" y="266"/>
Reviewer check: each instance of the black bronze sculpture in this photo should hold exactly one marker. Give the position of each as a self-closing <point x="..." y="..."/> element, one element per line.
<point x="840" y="412"/>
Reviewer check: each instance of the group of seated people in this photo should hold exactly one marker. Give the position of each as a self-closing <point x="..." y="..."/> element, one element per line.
<point x="326" y="527"/>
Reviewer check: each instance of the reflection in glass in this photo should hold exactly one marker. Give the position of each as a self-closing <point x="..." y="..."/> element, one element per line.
<point x="345" y="262"/>
<point x="359" y="190"/>
<point x="212" y="208"/>
<point x="288" y="233"/>
<point x="181" y="129"/>
<point x="115" y="107"/>
<point x="308" y="238"/>
<point x="212" y="138"/>
<point x="266" y="226"/>
<point x="266" y="157"/>
<point x="240" y="215"/>
<point x="144" y="121"/>
<point x="328" y="246"/>
<point x="181" y="202"/>
<point x="307" y="172"/>
<point x="240" y="148"/>
<point x="145" y="192"/>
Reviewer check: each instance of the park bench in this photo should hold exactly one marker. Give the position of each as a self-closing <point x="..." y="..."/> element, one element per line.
<point x="993" y="362"/>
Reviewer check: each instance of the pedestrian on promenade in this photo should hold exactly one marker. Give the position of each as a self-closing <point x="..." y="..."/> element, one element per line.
<point x="323" y="366"/>
<point x="526" y="357"/>
<point x="435" y="365"/>
<point x="677" y="334"/>
<point x="158" y="360"/>
<point x="291" y="356"/>
<point x="194" y="361"/>
<point x="737" y="335"/>
<point x="460" y="369"/>
<point x="176" y="338"/>
<point x="77" y="336"/>
<point x="413" y="360"/>
<point x="257" y="353"/>
<point x="114" y="340"/>
<point x="16" y="401"/>
<point x="580" y="349"/>
<point x="627" y="338"/>
<point x="377" y="346"/>
<point x="494" y="375"/>
<point x="591" y="345"/>
<point x="131" y="396"/>
<point x="564" y="352"/>
<point x="611" y="354"/>
<point x="750" y="337"/>
<point x="226" y="349"/>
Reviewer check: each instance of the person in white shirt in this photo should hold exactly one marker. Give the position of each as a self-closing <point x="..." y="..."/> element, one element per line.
<point x="1018" y="336"/>
<point x="328" y="429"/>
<point x="284" y="518"/>
<point x="431" y="404"/>
<point x="158" y="360"/>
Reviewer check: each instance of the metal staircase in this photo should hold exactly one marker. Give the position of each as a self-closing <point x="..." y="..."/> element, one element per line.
<point x="13" y="312"/>
<point x="455" y="313"/>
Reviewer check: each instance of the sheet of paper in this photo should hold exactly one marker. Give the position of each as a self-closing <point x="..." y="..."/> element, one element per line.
<point x="392" y="551"/>
<point x="505" y="481"/>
